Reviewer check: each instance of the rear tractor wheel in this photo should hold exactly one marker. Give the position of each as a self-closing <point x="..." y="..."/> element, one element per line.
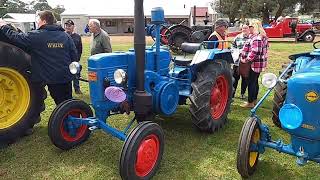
<point x="211" y="96"/>
<point x="280" y="92"/>
<point x="19" y="104"/>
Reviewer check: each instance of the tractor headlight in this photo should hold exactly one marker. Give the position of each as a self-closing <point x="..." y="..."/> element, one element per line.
<point x="290" y="116"/>
<point x="120" y="76"/>
<point x="269" y="80"/>
<point x="74" y="67"/>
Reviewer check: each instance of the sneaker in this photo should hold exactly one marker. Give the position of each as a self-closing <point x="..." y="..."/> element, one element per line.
<point x="247" y="105"/>
<point x="78" y="91"/>
<point x="255" y="102"/>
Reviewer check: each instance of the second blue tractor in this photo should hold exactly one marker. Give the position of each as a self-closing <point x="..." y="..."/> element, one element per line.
<point x="142" y="81"/>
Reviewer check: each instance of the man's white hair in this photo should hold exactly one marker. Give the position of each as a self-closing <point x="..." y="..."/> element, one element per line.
<point x="96" y="22"/>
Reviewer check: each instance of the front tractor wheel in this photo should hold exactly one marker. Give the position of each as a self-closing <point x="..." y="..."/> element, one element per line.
<point x="142" y="152"/>
<point x="211" y="96"/>
<point x="247" y="156"/>
<point x="64" y="133"/>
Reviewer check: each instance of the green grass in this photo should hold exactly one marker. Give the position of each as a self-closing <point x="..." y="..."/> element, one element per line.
<point x="188" y="154"/>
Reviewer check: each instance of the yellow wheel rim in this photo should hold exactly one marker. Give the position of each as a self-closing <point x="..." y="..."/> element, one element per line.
<point x="14" y="97"/>
<point x="253" y="156"/>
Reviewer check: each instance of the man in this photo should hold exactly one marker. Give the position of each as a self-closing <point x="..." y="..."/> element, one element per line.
<point x="219" y="34"/>
<point x="69" y="27"/>
<point x="100" y="41"/>
<point x="51" y="50"/>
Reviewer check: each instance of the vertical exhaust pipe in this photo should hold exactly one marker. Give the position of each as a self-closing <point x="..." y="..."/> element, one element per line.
<point x="139" y="43"/>
<point x="194" y="15"/>
<point x="142" y="100"/>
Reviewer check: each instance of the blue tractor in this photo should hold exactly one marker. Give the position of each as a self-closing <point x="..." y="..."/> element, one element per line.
<point x="141" y="81"/>
<point x="296" y="102"/>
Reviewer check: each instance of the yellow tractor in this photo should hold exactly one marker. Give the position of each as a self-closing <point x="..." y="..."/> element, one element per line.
<point x="19" y="107"/>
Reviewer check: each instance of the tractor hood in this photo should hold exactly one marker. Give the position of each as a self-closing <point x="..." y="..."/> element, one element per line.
<point x="304" y="92"/>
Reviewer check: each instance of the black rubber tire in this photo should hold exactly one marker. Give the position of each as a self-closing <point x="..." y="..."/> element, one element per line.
<point x="280" y="93"/>
<point x="16" y="59"/>
<point x="307" y="35"/>
<point x="200" y="99"/>
<point x="245" y="139"/>
<point x="130" y="148"/>
<point x="178" y="35"/>
<point x="57" y="117"/>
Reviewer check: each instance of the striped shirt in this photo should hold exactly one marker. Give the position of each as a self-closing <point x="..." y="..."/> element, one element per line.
<point x="256" y="51"/>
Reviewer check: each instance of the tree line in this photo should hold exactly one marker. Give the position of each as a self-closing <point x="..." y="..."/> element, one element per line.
<point x="17" y="6"/>
<point x="265" y="9"/>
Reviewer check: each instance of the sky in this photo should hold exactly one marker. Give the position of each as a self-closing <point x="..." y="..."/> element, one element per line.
<point x="81" y="5"/>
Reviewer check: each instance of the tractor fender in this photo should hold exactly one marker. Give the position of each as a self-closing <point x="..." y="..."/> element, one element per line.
<point x="302" y="34"/>
<point x="211" y="55"/>
<point x="301" y="62"/>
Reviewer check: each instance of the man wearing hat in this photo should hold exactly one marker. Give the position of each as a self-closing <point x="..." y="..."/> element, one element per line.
<point x="219" y="34"/>
<point x="69" y="27"/>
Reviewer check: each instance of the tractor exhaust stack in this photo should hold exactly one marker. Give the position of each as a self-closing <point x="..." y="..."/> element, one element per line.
<point x="142" y="100"/>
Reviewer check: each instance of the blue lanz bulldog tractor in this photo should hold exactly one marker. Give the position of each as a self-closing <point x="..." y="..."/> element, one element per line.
<point x="296" y="107"/>
<point x="141" y="81"/>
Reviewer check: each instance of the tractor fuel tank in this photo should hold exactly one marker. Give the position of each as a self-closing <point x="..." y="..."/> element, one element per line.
<point x="101" y="68"/>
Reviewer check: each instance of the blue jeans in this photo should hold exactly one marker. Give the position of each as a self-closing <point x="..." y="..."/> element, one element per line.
<point x="76" y="85"/>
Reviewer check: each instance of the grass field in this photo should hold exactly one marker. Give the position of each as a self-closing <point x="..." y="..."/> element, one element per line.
<point x="188" y="153"/>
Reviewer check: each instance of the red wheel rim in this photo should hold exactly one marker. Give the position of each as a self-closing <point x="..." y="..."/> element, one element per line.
<point x="219" y="97"/>
<point x="164" y="37"/>
<point x="80" y="131"/>
<point x="147" y="155"/>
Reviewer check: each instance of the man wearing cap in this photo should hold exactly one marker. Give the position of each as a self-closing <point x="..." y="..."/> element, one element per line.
<point x="69" y="27"/>
<point x="219" y="35"/>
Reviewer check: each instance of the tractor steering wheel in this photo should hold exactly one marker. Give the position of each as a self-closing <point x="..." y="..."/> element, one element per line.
<point x="315" y="45"/>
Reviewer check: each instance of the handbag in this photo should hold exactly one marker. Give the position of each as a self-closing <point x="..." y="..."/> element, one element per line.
<point x="244" y="69"/>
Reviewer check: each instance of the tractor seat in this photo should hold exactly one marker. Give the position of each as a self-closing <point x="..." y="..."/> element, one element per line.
<point x="182" y="61"/>
<point x="190" y="48"/>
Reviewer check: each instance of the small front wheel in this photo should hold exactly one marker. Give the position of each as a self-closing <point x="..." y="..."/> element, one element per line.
<point x="142" y="151"/>
<point x="64" y="133"/>
<point x="247" y="157"/>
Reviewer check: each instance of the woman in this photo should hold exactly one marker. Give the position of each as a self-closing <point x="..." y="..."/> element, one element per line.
<point x="255" y="52"/>
<point x="237" y="44"/>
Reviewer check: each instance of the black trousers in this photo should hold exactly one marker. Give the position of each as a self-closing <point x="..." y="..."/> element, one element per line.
<point x="253" y="86"/>
<point x="236" y="76"/>
<point x="59" y="92"/>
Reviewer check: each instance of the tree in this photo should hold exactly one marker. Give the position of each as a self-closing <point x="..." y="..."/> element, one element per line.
<point x="309" y="6"/>
<point x="40" y="5"/>
<point x="12" y="6"/>
<point x="57" y="11"/>
<point x="229" y="8"/>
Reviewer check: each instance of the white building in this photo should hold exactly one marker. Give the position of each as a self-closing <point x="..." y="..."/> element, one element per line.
<point x="25" y="22"/>
<point x="118" y="20"/>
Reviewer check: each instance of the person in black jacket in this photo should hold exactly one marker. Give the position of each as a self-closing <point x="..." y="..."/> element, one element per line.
<point x="51" y="50"/>
<point x="69" y="27"/>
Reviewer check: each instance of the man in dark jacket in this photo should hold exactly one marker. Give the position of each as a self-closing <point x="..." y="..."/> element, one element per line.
<point x="51" y="50"/>
<point x="69" y="27"/>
